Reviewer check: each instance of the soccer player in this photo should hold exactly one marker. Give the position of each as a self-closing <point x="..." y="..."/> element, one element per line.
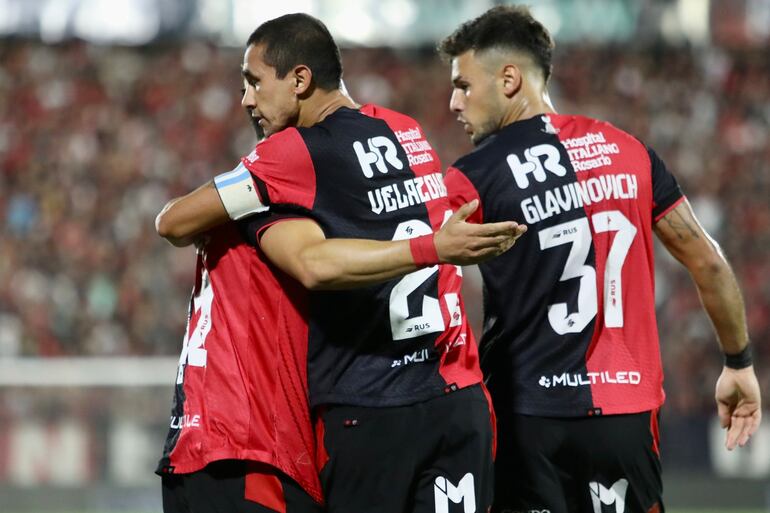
<point x="240" y="437"/>
<point x="570" y="347"/>
<point x="393" y="376"/>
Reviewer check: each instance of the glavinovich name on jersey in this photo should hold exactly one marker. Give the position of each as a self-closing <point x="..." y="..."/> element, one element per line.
<point x="576" y="194"/>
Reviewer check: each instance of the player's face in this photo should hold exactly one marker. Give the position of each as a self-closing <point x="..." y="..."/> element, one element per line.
<point x="269" y="99"/>
<point x="474" y="97"/>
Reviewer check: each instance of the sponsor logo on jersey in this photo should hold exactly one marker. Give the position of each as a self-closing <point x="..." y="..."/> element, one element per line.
<point x="413" y="191"/>
<point x="185" y="421"/>
<point x="464" y="493"/>
<point x="525" y="511"/>
<point x="590" y="151"/>
<point x="460" y="341"/>
<point x="533" y="165"/>
<point x="381" y="151"/>
<point x="418" y="149"/>
<point x="420" y="356"/>
<point x="566" y="379"/>
<point x="615" y="494"/>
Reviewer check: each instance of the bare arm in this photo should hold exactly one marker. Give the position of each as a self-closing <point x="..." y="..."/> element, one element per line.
<point x="300" y="248"/>
<point x="183" y="219"/>
<point x="737" y="391"/>
<point x="686" y="240"/>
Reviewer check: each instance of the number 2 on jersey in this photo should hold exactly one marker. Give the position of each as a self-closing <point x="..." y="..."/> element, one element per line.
<point x="578" y="234"/>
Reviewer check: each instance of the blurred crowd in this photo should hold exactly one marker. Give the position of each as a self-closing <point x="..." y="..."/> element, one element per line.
<point x="94" y="140"/>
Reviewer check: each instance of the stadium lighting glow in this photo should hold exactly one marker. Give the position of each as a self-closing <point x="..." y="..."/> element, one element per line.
<point x="399" y="13"/>
<point x="248" y="14"/>
<point x="117" y="21"/>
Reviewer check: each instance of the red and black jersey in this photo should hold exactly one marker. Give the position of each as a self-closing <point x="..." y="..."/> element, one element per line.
<point x="570" y="326"/>
<point x="372" y="174"/>
<point x="241" y="387"/>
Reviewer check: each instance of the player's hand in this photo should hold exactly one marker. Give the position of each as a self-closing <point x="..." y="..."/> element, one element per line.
<point x="462" y="243"/>
<point x="739" y="405"/>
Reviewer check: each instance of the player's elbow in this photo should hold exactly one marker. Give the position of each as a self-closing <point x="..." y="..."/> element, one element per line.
<point x="170" y="229"/>
<point x="314" y="278"/>
<point x="315" y="274"/>
<point x="707" y="265"/>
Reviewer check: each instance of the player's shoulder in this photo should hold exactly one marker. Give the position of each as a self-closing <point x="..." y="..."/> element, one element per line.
<point x="588" y="124"/>
<point x="283" y="144"/>
<point x="378" y="111"/>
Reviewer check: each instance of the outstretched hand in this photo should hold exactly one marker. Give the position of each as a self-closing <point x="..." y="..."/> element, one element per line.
<point x="461" y="243"/>
<point x="739" y="405"/>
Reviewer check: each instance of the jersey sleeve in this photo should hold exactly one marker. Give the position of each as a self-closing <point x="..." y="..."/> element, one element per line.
<point x="253" y="227"/>
<point x="283" y="170"/>
<point x="460" y="191"/>
<point x="666" y="193"/>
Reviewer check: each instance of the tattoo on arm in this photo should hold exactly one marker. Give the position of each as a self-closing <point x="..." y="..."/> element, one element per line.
<point x="681" y="226"/>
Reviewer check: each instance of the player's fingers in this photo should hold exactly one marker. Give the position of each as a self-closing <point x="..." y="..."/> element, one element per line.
<point x="724" y="413"/>
<point x="495" y="242"/>
<point x="464" y="211"/>
<point x="734" y="432"/>
<point x="749" y="428"/>
<point x="493" y="229"/>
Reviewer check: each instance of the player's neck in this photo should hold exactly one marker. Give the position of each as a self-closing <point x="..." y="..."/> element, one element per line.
<point x="321" y="104"/>
<point x="526" y="106"/>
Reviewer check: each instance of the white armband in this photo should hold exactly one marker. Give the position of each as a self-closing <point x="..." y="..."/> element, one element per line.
<point x="238" y="192"/>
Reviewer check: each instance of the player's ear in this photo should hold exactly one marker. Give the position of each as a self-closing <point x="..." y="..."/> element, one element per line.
<point x="303" y="77"/>
<point x="511" y="75"/>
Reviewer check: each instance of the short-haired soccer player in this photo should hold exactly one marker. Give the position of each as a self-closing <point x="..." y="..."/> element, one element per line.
<point x="403" y="421"/>
<point x="570" y="345"/>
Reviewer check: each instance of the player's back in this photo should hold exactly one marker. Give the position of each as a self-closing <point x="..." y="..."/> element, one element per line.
<point x="371" y="174"/>
<point x="241" y="383"/>
<point x="570" y="324"/>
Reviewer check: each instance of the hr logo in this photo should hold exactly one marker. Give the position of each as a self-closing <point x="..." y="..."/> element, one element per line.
<point x="377" y="145"/>
<point x="532" y="164"/>
<point x="616" y="494"/>
<point x="464" y="493"/>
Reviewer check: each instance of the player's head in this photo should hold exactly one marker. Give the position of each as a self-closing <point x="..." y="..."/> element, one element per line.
<point x="287" y="60"/>
<point x="499" y="60"/>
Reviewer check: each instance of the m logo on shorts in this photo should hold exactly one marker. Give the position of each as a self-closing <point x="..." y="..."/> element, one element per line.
<point x="464" y="493"/>
<point x="615" y="494"/>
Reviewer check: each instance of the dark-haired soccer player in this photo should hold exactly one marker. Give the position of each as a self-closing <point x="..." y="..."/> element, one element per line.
<point x="570" y="346"/>
<point x="393" y="376"/>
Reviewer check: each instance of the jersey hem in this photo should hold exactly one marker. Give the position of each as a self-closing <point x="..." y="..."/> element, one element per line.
<point x="256" y="456"/>
<point x="388" y="402"/>
<point x="537" y="411"/>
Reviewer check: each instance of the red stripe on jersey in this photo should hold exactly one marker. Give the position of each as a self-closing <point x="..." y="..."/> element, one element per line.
<point x="459" y="356"/>
<point x="462" y="191"/>
<point x="669" y="209"/>
<point x="492" y="419"/>
<point x="321" y="456"/>
<point x="655" y="431"/>
<point x="263" y="487"/>
<point x="623" y="358"/>
<point x="282" y="164"/>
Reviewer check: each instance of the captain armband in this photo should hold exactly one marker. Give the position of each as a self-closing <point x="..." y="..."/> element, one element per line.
<point x="739" y="360"/>
<point x="238" y="193"/>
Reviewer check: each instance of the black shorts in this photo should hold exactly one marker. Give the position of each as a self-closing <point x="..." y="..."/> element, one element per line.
<point x="429" y="457"/>
<point x="234" y="486"/>
<point x="604" y="464"/>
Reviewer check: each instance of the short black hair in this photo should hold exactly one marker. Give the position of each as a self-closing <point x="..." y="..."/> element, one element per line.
<point x="296" y="39"/>
<point x="505" y="27"/>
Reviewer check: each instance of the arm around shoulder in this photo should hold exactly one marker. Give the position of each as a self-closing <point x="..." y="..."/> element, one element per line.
<point x="184" y="218"/>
